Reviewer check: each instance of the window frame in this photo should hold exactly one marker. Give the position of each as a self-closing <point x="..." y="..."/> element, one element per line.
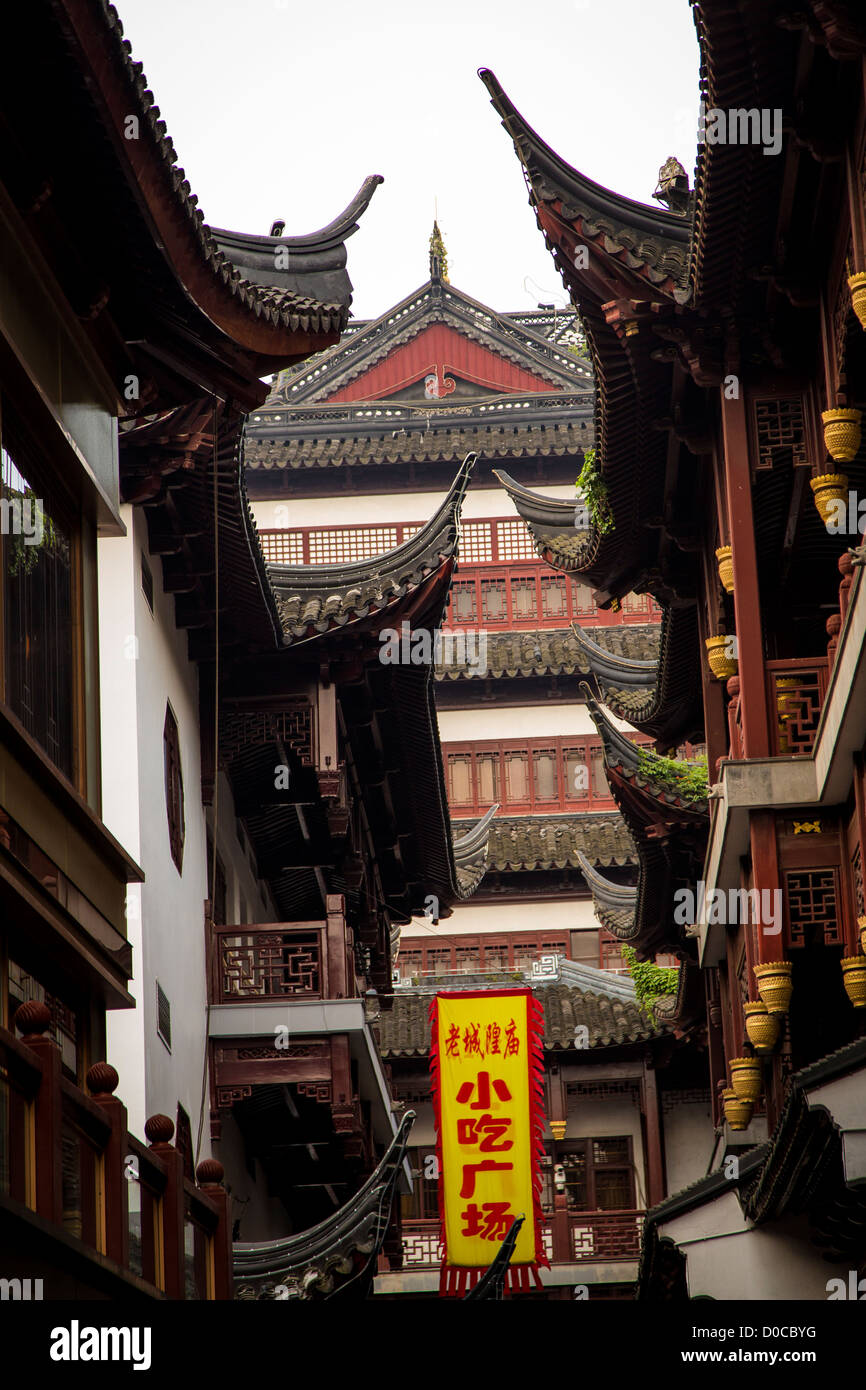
<point x="174" y="793"/>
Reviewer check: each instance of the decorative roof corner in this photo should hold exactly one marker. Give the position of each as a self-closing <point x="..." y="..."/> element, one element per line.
<point x="314" y="599"/>
<point x="470" y="854"/>
<point x="614" y="903"/>
<point x="338" y="1257"/>
<point x="312" y="265"/>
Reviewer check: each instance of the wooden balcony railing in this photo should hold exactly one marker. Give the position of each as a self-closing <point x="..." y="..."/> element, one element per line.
<point x="272" y="961"/>
<point x="795" y="691"/>
<point x="585" y="1237"/>
<point x="795" y="697"/>
<point x="68" y="1158"/>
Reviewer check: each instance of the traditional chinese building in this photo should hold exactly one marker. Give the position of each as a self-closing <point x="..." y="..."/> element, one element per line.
<point x="153" y="700"/>
<point x="625" y="1106"/>
<point x="728" y="352"/>
<point x="345" y="456"/>
<point x="349" y="454"/>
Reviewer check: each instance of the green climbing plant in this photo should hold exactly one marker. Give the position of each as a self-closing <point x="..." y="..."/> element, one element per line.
<point x="593" y="489"/>
<point x="651" y="982"/>
<point x="687" y="780"/>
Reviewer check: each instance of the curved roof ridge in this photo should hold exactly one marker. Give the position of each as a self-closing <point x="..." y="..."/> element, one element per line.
<point x="444" y="523"/>
<point x="613" y="668"/>
<point x="619" y="895"/>
<point x="643" y="215"/>
<point x="469" y="844"/>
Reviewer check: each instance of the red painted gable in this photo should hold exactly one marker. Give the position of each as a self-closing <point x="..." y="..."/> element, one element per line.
<point x="439" y="350"/>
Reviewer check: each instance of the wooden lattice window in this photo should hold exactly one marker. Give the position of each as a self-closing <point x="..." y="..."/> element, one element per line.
<point x="515" y="541"/>
<point x="40" y="615"/>
<point x="609" y="952"/>
<point x="439" y="959"/>
<point x="576" y="773"/>
<point x="517" y="776"/>
<point x="173" y="788"/>
<point x="487" y="772"/>
<point x="812" y="899"/>
<point x="599" y="1174"/>
<point x="476" y="542"/>
<point x="524" y="602"/>
<point x="582" y="599"/>
<point x="460" y="779"/>
<point x="553" y="596"/>
<point x="493" y="608"/>
<point x="464" y="603"/>
<point x="544" y="762"/>
<point x="468" y="958"/>
<point x="598" y="776"/>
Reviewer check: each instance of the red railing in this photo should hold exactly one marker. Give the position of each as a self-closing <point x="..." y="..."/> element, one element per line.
<point x="270" y="961"/>
<point x="527" y="597"/>
<point x="585" y="1237"/>
<point x="67" y="1158"/>
<point x="543" y="776"/>
<point x="795" y="697"/>
<point x="795" y="690"/>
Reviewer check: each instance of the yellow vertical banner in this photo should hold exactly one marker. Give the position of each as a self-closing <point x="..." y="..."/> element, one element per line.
<point x="487" y="1072"/>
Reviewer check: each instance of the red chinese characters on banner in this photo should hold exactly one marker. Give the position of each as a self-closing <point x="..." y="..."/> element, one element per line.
<point x="486" y="1062"/>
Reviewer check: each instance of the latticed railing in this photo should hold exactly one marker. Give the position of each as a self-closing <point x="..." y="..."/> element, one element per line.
<point x="593" y="1236"/>
<point x="795" y="695"/>
<point x="269" y="961"/>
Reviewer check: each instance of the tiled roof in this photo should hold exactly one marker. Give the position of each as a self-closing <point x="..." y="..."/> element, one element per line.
<point x="554" y="652"/>
<point x="276" y="301"/>
<point x="338" y="443"/>
<point x="651" y="241"/>
<point x="314" y="599"/>
<point x="611" y="1021"/>
<point x="544" y="842"/>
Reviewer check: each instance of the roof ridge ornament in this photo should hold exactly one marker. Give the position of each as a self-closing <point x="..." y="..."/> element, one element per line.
<point x="438" y="256"/>
<point x="672" y="188"/>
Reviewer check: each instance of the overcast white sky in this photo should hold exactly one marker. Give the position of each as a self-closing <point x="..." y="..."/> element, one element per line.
<point x="279" y="108"/>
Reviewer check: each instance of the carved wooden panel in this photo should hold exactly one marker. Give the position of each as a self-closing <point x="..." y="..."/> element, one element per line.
<point x="780" y="432"/>
<point x="813" y="907"/>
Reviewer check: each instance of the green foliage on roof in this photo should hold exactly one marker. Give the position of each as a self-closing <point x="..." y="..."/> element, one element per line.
<point x="687" y="780"/>
<point x="593" y="489"/>
<point x="651" y="982"/>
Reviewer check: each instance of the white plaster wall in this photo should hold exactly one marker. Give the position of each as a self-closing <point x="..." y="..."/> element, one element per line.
<point x="121" y="611"/>
<point x="688" y="1143"/>
<point x="171" y="930"/>
<point x="144" y="664"/>
<point x="261" y="1217"/>
<point x="610" y="1118"/>
<point x="550" y="915"/>
<point x="520" y="721"/>
<point x="291" y="512"/>
<point x="728" y="1258"/>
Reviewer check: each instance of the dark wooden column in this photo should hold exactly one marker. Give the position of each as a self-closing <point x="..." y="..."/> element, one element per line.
<point x="655" y="1166"/>
<point x="765" y="876"/>
<point x="747" y="608"/>
<point x="209" y="1175"/>
<point x="102" y="1081"/>
<point x="34" y="1019"/>
<point x="159" y="1130"/>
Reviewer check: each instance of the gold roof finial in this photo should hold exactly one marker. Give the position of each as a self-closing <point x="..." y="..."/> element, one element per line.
<point x="438" y="255"/>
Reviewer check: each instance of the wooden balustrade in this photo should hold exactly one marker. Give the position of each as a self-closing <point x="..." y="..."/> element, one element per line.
<point x="568" y="1237"/>
<point x="67" y="1157"/>
<point x="795" y="697"/>
<point x="795" y="691"/>
<point x="271" y="961"/>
